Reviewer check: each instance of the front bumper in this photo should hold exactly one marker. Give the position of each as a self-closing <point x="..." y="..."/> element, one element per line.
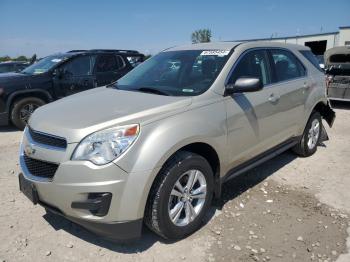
<point x="79" y="187"/>
<point x="339" y="92"/>
<point x="118" y="231"/>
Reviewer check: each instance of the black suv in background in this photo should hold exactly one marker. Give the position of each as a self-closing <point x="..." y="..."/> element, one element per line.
<point x="12" y="66"/>
<point x="60" y="75"/>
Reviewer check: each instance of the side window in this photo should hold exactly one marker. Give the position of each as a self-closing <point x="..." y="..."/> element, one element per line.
<point x="109" y="63"/>
<point x="287" y="66"/>
<point x="312" y="59"/>
<point x="78" y="66"/>
<point x="253" y="64"/>
<point x="120" y="61"/>
<point x="135" y="60"/>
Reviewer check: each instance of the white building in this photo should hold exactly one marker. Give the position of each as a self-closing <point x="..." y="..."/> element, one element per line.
<point x="318" y="43"/>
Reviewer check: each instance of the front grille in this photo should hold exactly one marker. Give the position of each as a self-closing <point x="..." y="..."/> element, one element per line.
<point x="48" y="140"/>
<point x="40" y="168"/>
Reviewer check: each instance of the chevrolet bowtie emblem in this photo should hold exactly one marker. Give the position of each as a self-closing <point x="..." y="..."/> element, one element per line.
<point x="29" y="150"/>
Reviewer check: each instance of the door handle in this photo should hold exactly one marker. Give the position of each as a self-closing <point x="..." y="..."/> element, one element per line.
<point x="273" y="98"/>
<point x="306" y="86"/>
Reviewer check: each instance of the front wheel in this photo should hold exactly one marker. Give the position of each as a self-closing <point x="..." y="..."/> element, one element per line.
<point x="22" y="109"/>
<point x="180" y="196"/>
<point x="310" y="139"/>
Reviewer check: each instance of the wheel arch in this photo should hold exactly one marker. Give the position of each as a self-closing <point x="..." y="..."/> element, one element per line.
<point x="42" y="94"/>
<point x="203" y="149"/>
<point x="325" y="110"/>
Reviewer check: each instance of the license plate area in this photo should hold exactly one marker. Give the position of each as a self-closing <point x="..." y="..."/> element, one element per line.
<point x="28" y="189"/>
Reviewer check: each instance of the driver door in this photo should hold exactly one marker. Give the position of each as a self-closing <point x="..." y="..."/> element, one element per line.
<point x="75" y="76"/>
<point x="252" y="117"/>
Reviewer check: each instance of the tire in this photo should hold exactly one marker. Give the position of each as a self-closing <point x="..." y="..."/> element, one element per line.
<point x="305" y="148"/>
<point x="161" y="203"/>
<point x="27" y="104"/>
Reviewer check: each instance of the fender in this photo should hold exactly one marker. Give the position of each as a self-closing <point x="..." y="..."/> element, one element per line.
<point x="13" y="95"/>
<point x="158" y="141"/>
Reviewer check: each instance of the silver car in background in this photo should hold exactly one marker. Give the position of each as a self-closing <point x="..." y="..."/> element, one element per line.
<point x="156" y="146"/>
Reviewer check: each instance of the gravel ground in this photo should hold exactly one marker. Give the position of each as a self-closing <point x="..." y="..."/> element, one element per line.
<point x="288" y="209"/>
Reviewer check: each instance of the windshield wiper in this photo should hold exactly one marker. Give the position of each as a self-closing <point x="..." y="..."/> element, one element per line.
<point x="153" y="91"/>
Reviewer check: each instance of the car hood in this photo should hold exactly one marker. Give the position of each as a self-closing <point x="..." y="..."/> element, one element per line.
<point x="79" y="115"/>
<point x="5" y="77"/>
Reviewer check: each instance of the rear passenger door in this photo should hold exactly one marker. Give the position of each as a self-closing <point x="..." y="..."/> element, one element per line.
<point x="290" y="78"/>
<point x="109" y="68"/>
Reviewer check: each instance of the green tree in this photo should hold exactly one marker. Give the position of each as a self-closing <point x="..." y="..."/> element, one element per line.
<point x="201" y="36"/>
<point x="21" y="58"/>
<point x="5" y="58"/>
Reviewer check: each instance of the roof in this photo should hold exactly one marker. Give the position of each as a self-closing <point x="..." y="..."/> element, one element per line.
<point x="230" y="45"/>
<point x="288" y="37"/>
<point x="105" y="51"/>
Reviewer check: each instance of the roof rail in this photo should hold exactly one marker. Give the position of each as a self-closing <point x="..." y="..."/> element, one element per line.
<point x="77" y="50"/>
<point x="114" y="50"/>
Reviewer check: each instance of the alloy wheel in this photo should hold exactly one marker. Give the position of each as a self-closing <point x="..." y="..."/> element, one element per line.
<point x="26" y="111"/>
<point x="314" y="133"/>
<point x="187" y="197"/>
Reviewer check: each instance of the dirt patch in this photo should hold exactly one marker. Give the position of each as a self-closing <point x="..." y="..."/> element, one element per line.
<point x="270" y="222"/>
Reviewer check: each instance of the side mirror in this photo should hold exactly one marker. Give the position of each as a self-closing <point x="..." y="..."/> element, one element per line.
<point x="244" y="84"/>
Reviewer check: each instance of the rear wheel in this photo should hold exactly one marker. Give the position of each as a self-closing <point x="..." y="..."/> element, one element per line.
<point x="310" y="139"/>
<point x="180" y="196"/>
<point x="22" y="109"/>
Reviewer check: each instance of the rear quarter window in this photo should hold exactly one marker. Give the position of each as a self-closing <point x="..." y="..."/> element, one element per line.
<point x="312" y="59"/>
<point x="286" y="65"/>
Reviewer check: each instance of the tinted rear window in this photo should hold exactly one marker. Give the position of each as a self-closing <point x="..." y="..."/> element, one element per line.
<point x="340" y="58"/>
<point x="312" y="58"/>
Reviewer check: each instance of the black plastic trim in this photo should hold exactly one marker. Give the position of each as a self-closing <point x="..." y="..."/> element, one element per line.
<point x="118" y="231"/>
<point x="97" y="203"/>
<point x="267" y="155"/>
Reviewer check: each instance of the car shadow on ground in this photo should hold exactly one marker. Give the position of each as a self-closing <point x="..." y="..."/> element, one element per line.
<point x="340" y="105"/>
<point x="8" y="129"/>
<point x="238" y="185"/>
<point x="231" y="190"/>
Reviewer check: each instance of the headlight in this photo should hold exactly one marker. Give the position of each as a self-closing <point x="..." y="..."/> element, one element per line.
<point x="105" y="146"/>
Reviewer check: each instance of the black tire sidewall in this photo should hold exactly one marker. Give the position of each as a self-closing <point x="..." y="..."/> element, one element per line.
<point x="166" y="225"/>
<point x="307" y="150"/>
<point x="18" y="105"/>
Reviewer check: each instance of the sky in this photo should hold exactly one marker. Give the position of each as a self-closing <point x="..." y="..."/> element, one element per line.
<point x="45" y="27"/>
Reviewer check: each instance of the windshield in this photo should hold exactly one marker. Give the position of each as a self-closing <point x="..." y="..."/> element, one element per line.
<point x="44" y="65"/>
<point x="176" y="73"/>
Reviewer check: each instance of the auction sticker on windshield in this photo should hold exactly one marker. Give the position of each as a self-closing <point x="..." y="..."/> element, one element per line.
<point x="216" y="52"/>
<point x="56" y="60"/>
